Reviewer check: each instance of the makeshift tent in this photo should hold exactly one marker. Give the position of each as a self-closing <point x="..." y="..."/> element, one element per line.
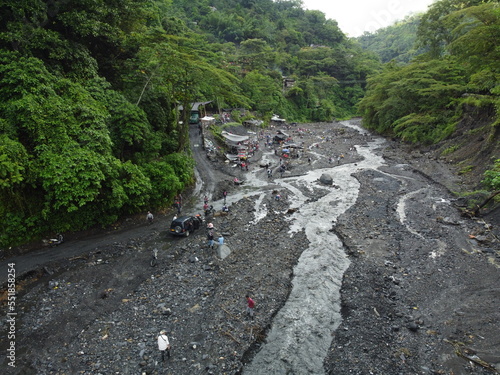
<point x="232" y="157"/>
<point x="207" y="121"/>
<point x="292" y="145"/>
<point x="278" y="138"/>
<point x="276" y="118"/>
<point x="234" y="139"/>
<point x="252" y="124"/>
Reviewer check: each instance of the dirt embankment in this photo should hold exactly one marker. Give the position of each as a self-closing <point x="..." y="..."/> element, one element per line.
<point x="420" y="296"/>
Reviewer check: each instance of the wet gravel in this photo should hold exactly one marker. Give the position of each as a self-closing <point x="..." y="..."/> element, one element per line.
<point x="420" y="296"/>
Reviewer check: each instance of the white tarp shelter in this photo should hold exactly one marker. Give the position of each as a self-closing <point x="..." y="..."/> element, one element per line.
<point x="207" y="121"/>
<point x="276" y="118"/>
<point x="233" y="138"/>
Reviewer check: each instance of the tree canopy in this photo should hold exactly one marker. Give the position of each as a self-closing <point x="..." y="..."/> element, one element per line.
<point x="396" y="42"/>
<point x="458" y="68"/>
<point x="90" y="127"/>
<point x="423" y="100"/>
<point x="90" y="121"/>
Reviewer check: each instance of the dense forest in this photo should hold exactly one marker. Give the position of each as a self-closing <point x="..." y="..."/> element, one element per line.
<point x="397" y="42"/>
<point x="91" y="90"/>
<point x="90" y="122"/>
<point x="455" y="75"/>
<point x="421" y="101"/>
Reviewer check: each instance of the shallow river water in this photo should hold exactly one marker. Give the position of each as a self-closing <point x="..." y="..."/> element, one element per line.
<point x="301" y="332"/>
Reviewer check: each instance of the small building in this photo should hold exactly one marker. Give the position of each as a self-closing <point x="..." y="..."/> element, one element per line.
<point x="276" y="120"/>
<point x="206" y="121"/>
<point x="280" y="137"/>
<point x="197" y="111"/>
<point x="252" y="124"/>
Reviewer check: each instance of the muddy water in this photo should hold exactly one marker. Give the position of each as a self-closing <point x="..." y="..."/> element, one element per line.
<point x="301" y="331"/>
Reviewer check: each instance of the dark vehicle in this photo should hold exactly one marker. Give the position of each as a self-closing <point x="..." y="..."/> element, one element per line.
<point x="184" y="225"/>
<point x="194" y="118"/>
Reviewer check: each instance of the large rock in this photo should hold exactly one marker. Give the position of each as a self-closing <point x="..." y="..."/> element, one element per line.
<point x="222" y="251"/>
<point x="326" y="179"/>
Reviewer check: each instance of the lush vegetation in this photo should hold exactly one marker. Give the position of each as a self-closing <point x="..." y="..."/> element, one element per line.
<point x="90" y="127"/>
<point x="262" y="41"/>
<point x="396" y="42"/>
<point x="457" y="68"/>
<point x="422" y="101"/>
<point x="492" y="177"/>
<point x="91" y="90"/>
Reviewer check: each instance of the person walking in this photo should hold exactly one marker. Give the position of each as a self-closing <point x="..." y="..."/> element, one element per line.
<point x="210" y="238"/>
<point x="210" y="235"/>
<point x="177" y="205"/>
<point x="149" y="217"/>
<point x="224" y="194"/>
<point x="250" y="306"/>
<point x="163" y="345"/>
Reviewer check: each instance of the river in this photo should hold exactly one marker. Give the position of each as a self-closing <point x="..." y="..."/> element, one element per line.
<point x="301" y="331"/>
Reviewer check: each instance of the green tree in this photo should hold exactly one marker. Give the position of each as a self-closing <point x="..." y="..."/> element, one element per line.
<point x="264" y="92"/>
<point x="256" y="54"/>
<point x="395" y="42"/>
<point x="414" y="102"/>
<point x="492" y="177"/>
<point x="434" y="28"/>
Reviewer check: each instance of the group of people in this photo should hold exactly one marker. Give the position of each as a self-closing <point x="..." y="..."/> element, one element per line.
<point x="211" y="236"/>
<point x="210" y="227"/>
<point x="163" y="341"/>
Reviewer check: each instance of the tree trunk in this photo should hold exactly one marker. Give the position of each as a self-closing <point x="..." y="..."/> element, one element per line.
<point x="486" y="201"/>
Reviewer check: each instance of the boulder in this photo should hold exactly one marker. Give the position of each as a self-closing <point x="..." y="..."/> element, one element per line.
<point x="222" y="251"/>
<point x="326" y="179"/>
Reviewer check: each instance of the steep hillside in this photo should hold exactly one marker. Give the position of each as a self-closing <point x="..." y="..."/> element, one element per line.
<point x="446" y="102"/>
<point x="396" y="42"/>
<point x="470" y="151"/>
<point x="90" y="126"/>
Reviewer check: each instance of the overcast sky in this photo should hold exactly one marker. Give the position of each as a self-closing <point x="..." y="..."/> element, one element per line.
<point x="357" y="16"/>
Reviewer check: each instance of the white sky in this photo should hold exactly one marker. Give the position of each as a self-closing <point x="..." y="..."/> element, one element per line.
<point x="357" y="16"/>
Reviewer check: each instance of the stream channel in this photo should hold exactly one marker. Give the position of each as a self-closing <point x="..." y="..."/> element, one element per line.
<point x="301" y="332"/>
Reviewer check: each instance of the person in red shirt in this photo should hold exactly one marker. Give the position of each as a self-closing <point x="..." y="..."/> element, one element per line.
<point x="250" y="306"/>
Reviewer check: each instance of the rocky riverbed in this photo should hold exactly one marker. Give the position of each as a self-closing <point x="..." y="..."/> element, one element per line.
<point x="398" y="282"/>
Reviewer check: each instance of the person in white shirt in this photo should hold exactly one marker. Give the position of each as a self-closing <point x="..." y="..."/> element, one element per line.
<point x="163" y="345"/>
